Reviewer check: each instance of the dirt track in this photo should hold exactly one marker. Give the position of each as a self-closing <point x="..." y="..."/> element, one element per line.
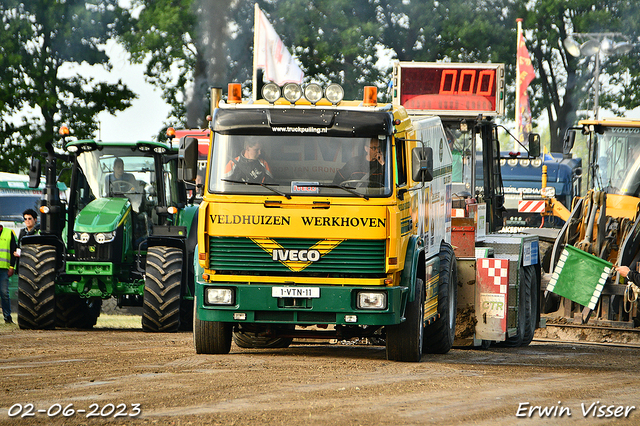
<point x="304" y="384"/>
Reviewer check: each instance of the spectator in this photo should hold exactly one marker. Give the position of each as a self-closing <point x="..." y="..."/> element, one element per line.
<point x="8" y="246"/>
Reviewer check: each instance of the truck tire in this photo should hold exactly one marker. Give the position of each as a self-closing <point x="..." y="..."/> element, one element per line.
<point x="405" y="340"/>
<point x="211" y="337"/>
<point x="72" y="311"/>
<point x="528" y="277"/>
<point x="161" y="309"/>
<point x="248" y="339"/>
<point x="440" y="334"/>
<point x="36" y="287"/>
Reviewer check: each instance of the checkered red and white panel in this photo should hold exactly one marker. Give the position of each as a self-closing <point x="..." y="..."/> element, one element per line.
<point x="496" y="272"/>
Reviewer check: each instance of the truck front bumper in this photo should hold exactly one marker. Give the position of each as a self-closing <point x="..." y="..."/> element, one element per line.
<point x="256" y="303"/>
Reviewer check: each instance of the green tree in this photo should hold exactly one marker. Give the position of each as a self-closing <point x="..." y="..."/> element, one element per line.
<point x="185" y="45"/>
<point x="37" y="39"/>
<point x="565" y="83"/>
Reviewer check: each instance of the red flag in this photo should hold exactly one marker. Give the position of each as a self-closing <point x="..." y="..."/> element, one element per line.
<point x="525" y="74"/>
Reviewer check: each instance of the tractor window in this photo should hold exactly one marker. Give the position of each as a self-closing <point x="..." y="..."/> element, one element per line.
<point x="617" y="168"/>
<point x="301" y="165"/>
<point x="118" y="172"/>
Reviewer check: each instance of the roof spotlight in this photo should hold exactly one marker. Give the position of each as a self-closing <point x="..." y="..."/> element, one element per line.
<point x="313" y="93"/>
<point x="334" y="93"/>
<point x="271" y="92"/>
<point x="292" y="92"/>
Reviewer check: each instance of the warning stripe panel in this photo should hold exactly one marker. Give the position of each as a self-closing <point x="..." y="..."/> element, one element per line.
<point x="531" y="206"/>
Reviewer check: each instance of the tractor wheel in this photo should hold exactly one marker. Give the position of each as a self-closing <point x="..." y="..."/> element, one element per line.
<point x="161" y="310"/>
<point x="405" y="340"/>
<point x="439" y="335"/>
<point x="72" y="311"/>
<point x="528" y="277"/>
<point x="36" y="287"/>
<point x="248" y="339"/>
<point x="211" y="337"/>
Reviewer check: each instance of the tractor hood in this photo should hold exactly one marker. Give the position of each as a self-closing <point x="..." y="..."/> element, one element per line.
<point x="102" y="215"/>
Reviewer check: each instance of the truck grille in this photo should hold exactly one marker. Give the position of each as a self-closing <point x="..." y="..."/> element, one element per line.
<point x="350" y="258"/>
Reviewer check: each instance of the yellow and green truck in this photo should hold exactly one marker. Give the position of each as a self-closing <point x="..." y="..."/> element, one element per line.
<point x="297" y="246"/>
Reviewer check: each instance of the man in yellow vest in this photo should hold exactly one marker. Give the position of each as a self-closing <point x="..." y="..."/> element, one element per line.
<point x="8" y="246"/>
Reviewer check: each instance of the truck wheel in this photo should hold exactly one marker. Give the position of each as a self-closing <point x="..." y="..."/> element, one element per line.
<point x="161" y="310"/>
<point x="404" y="340"/>
<point x="211" y="337"/>
<point x="72" y="311"/>
<point x="36" y="287"/>
<point x="440" y="334"/>
<point x="528" y="277"/>
<point x="248" y="339"/>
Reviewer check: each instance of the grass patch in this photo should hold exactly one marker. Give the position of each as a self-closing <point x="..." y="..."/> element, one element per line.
<point x="119" y="321"/>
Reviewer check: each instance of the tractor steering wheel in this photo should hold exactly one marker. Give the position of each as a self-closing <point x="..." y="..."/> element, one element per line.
<point x="122" y="186"/>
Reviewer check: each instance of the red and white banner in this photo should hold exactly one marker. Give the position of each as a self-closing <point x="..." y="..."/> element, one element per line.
<point x="531" y="206"/>
<point x="272" y="55"/>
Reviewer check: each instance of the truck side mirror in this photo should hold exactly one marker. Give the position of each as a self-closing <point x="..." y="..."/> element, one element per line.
<point x="534" y="145"/>
<point x="569" y="139"/>
<point x="35" y="171"/>
<point x="188" y="159"/>
<point x="422" y="164"/>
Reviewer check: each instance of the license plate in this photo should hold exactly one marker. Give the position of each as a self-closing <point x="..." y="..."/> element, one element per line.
<point x="296" y="292"/>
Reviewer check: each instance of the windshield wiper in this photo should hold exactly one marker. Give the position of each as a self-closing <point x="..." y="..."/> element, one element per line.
<point x="349" y="189"/>
<point x="264" y="185"/>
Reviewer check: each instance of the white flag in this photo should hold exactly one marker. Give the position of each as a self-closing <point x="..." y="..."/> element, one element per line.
<point x="272" y="55"/>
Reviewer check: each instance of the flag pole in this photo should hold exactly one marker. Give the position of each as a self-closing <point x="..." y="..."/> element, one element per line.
<point x="255" y="52"/>
<point x="517" y="108"/>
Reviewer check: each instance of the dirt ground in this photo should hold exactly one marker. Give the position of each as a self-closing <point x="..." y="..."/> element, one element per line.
<point x="108" y="371"/>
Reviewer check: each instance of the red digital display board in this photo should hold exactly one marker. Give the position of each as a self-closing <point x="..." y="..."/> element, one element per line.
<point x="453" y="88"/>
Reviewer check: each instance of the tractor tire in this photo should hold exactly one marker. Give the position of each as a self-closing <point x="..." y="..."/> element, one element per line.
<point x="161" y="309"/>
<point x="36" y="287"/>
<point x="528" y="277"/>
<point x="211" y="337"/>
<point x="72" y="311"/>
<point x="247" y="339"/>
<point x="440" y="334"/>
<point x="405" y="340"/>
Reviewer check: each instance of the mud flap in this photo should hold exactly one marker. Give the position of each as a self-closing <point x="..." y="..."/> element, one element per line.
<point x="492" y="278"/>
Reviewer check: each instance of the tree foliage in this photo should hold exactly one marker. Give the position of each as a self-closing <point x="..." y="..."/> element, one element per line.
<point x="39" y="38"/>
<point x="565" y="84"/>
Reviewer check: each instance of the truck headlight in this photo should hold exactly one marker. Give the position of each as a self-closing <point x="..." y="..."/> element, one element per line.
<point x="372" y="300"/>
<point x="105" y="237"/>
<point x="219" y="296"/>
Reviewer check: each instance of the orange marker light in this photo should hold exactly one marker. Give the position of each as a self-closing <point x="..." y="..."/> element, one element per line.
<point x="370" y="96"/>
<point x="63" y="131"/>
<point x="171" y="132"/>
<point x="235" y="93"/>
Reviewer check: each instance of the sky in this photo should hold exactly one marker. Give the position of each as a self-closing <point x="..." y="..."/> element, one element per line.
<point x="145" y="117"/>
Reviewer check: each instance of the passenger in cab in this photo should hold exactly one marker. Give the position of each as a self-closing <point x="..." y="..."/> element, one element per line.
<point x="367" y="167"/>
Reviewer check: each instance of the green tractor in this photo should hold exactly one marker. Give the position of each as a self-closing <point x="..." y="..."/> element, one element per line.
<point x="126" y="230"/>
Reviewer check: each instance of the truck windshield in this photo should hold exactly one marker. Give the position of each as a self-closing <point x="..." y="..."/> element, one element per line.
<point x="300" y="165"/>
<point x="617" y="162"/>
<point x="120" y="172"/>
